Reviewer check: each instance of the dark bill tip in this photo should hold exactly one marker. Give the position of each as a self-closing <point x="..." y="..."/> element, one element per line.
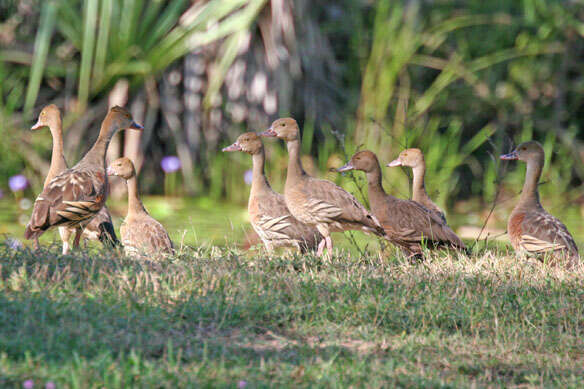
<point x="136" y="126"/>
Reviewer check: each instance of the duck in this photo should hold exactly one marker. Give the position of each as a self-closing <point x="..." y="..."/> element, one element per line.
<point x="532" y="230"/>
<point x="76" y="195"/>
<point x="414" y="158"/>
<point x="315" y="202"/>
<point x="100" y="227"/>
<point x="141" y="234"/>
<point x="408" y="224"/>
<point x="268" y="213"/>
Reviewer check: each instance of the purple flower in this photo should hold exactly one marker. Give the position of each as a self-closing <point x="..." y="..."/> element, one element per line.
<point x="248" y="176"/>
<point x="14" y="244"/>
<point x="28" y="384"/>
<point x="170" y="164"/>
<point x="17" y="183"/>
<point x="50" y="385"/>
<point x="241" y="384"/>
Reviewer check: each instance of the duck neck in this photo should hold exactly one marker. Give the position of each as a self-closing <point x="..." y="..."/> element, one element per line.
<point x="58" y="162"/>
<point x="295" y="169"/>
<point x="529" y="193"/>
<point x="259" y="182"/>
<point x="376" y="192"/>
<point x="419" y="187"/>
<point x="96" y="155"/>
<point x="134" y="203"/>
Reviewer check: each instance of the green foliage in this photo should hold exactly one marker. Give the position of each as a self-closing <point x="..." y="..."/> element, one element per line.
<point x="211" y="317"/>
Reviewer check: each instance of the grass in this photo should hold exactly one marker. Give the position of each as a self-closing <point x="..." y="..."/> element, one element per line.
<point x="213" y="317"/>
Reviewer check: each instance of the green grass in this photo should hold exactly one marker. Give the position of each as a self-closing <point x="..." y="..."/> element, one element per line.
<point x="213" y="317"/>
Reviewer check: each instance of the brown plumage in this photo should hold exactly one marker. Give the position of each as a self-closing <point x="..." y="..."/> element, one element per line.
<point x="315" y="202"/>
<point x="141" y="234"/>
<point x="268" y="213"/>
<point x="100" y="227"/>
<point x="76" y="195"/>
<point x="407" y="223"/>
<point x="531" y="229"/>
<point x="414" y="158"/>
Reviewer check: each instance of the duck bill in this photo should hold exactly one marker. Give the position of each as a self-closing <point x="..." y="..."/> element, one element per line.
<point x="270" y="133"/>
<point x="234" y="147"/>
<point x="136" y="126"/>
<point x="37" y="126"/>
<point x="346" y="167"/>
<point x="110" y="171"/>
<point x="394" y="163"/>
<point x="511" y="156"/>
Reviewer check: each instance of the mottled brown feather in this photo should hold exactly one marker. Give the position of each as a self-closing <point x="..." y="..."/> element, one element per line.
<point x="269" y="215"/>
<point x="531" y="228"/>
<point x="76" y="195"/>
<point x="407" y="223"/>
<point x="141" y="234"/>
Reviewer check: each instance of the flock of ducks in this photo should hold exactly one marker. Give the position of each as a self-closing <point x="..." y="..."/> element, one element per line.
<point x="73" y="200"/>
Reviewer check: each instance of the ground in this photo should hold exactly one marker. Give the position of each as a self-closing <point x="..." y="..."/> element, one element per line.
<point x="220" y="317"/>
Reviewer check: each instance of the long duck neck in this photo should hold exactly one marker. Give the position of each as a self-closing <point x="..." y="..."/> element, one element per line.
<point x="419" y="187"/>
<point x="295" y="170"/>
<point x="58" y="162"/>
<point x="259" y="182"/>
<point x="529" y="193"/>
<point x="96" y="155"/>
<point x="375" y="188"/>
<point x="135" y="206"/>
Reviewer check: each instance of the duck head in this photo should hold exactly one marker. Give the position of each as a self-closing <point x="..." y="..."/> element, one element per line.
<point x="50" y="117"/>
<point x="284" y="128"/>
<point x="409" y="157"/>
<point x="527" y="151"/>
<point x="120" y="118"/>
<point x="248" y="142"/>
<point x="365" y="161"/>
<point x="122" y="167"/>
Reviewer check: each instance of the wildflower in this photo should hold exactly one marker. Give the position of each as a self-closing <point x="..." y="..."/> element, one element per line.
<point x="247" y="177"/>
<point x="170" y="163"/>
<point x="241" y="384"/>
<point x="17" y="183"/>
<point x="14" y="244"/>
<point x="50" y="385"/>
<point x="28" y="384"/>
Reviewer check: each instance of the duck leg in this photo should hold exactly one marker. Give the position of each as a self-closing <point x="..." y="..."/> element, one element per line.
<point x="78" y="232"/>
<point x="36" y="244"/>
<point x="329" y="246"/>
<point x="65" y="234"/>
<point x="321" y="247"/>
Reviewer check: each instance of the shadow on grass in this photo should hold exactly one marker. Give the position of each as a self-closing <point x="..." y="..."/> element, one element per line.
<point x="296" y="315"/>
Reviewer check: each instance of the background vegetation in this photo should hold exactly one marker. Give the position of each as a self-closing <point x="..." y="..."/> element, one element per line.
<point x="464" y="81"/>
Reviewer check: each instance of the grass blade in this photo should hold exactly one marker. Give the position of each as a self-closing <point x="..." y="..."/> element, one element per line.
<point x="90" y="22"/>
<point x="41" y="51"/>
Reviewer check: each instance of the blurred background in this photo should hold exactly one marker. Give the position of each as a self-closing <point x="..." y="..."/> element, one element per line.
<point x="463" y="81"/>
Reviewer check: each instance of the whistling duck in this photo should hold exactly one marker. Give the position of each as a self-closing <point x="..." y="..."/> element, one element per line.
<point x="100" y="227"/>
<point x="315" y="202"/>
<point x="406" y="223"/>
<point x="268" y="212"/>
<point x="141" y="233"/>
<point x="414" y="158"/>
<point x="76" y="195"/>
<point x="531" y="229"/>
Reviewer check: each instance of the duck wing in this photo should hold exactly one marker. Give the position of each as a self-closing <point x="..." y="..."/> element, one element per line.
<point x="71" y="199"/>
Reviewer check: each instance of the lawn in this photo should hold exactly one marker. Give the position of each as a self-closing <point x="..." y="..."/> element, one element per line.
<point x="218" y="317"/>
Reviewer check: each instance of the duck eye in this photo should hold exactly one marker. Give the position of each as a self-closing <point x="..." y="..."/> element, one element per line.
<point x="283" y="124"/>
